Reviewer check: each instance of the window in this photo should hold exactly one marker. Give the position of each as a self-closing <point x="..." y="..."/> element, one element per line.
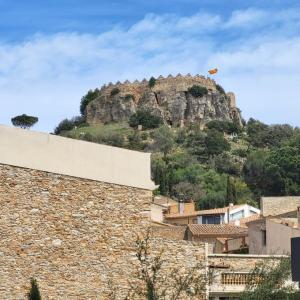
<point x="214" y="219"/>
<point x="264" y="237"/>
<point x="236" y="216"/>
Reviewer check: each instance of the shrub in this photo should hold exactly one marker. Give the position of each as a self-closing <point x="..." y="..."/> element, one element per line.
<point x="224" y="126"/>
<point x="146" y="119"/>
<point x="129" y="97"/>
<point x="198" y="90"/>
<point x="144" y="136"/>
<point x="152" y="82"/>
<point x="220" y="89"/>
<point x="115" y="91"/>
<point x="85" y="100"/>
<point x="240" y="152"/>
<point x="115" y="139"/>
<point x="135" y="141"/>
<point x="88" y="137"/>
<point x="69" y="124"/>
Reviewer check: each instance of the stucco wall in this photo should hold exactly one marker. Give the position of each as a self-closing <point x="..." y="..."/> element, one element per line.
<point x="279" y="237"/>
<point x="51" y="153"/>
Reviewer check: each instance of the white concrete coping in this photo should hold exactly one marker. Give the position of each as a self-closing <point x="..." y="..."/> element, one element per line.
<point x="55" y="154"/>
<point x="246" y="255"/>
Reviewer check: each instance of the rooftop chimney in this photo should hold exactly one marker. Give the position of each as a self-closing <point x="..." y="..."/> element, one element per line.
<point x="181" y="207"/>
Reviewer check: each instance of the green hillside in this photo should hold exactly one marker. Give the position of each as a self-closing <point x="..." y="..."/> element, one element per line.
<point x="217" y="165"/>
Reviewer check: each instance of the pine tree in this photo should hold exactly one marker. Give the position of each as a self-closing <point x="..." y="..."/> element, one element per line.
<point x="34" y="293"/>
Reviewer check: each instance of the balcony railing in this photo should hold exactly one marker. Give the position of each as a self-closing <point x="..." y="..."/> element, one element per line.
<point x="239" y="278"/>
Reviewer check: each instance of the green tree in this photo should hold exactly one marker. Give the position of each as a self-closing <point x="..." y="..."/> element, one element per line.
<point x="163" y="140"/>
<point x="85" y="100"/>
<point x="261" y="135"/>
<point x="187" y="191"/>
<point x="24" y="121"/>
<point x="69" y="124"/>
<point x="160" y="175"/>
<point x="274" y="173"/>
<point x="282" y="169"/>
<point x="159" y="283"/>
<point x="196" y="144"/>
<point x="198" y="91"/>
<point x="220" y="89"/>
<point x="152" y="82"/>
<point x="215" y="142"/>
<point x="226" y="163"/>
<point x="34" y="293"/>
<point x="214" y="186"/>
<point x="145" y="118"/>
<point x="231" y="191"/>
<point x="224" y="126"/>
<point x="254" y="171"/>
<point x="269" y="281"/>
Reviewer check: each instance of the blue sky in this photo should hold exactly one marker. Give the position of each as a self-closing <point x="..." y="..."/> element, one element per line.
<point x="52" y="52"/>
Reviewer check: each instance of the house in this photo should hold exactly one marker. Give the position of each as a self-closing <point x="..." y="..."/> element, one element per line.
<point x="231" y="273"/>
<point x="271" y="233"/>
<point x="224" y="215"/>
<point x="223" y="238"/>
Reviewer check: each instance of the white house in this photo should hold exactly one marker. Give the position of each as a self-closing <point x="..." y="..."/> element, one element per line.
<point x="224" y="215"/>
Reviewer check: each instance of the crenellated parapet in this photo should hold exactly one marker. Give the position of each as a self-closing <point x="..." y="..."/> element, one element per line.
<point x="181" y="82"/>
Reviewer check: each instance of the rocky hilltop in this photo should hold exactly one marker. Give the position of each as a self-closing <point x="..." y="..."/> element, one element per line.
<point x="171" y="98"/>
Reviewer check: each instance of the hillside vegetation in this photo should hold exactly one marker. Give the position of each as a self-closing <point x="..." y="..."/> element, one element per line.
<point x="220" y="164"/>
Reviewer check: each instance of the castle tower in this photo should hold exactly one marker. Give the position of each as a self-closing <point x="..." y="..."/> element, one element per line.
<point x="231" y="96"/>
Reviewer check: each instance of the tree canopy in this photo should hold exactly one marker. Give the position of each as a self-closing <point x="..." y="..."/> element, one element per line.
<point x="24" y="121"/>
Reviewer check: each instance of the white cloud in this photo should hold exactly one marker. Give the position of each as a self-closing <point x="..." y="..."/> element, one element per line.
<point x="246" y="18"/>
<point x="47" y="75"/>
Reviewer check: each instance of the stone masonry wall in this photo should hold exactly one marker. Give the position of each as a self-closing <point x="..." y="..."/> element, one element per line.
<point x="75" y="236"/>
<point x="272" y="206"/>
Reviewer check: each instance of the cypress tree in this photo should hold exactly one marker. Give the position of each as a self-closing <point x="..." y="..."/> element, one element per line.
<point x="34" y="293"/>
<point x="231" y="191"/>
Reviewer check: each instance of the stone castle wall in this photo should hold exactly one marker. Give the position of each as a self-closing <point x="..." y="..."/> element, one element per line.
<point x="75" y="236"/>
<point x="169" y="99"/>
<point x="182" y="83"/>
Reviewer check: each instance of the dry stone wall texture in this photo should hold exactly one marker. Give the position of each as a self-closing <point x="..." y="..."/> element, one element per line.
<point x="75" y="236"/>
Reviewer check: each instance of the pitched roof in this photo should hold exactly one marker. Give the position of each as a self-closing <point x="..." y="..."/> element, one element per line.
<point x="218" y="230"/>
<point x="221" y="210"/>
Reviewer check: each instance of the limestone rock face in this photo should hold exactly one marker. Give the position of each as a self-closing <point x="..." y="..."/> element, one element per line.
<point x="169" y="98"/>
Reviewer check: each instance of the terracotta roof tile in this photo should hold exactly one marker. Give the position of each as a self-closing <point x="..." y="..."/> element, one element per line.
<point x="219" y="230"/>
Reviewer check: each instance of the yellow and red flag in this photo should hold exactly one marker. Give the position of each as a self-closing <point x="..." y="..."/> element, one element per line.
<point x="213" y="71"/>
